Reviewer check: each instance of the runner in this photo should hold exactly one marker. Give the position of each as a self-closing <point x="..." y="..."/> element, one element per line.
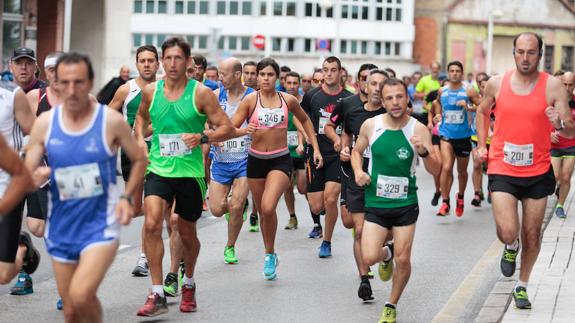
<point x="306" y="83"/>
<point x="296" y="146"/>
<point x="391" y="202"/>
<point x="283" y="72"/>
<point x="455" y="132"/>
<point x="324" y="183"/>
<point x="200" y="64"/>
<point x="269" y="162"/>
<point x="127" y="100"/>
<point x="519" y="161"/>
<point x="478" y="166"/>
<point x="563" y="151"/>
<point x="177" y="109"/>
<point x="352" y="120"/>
<point x="212" y="73"/>
<point x="317" y="78"/>
<point x="229" y="185"/>
<point x="80" y="139"/>
<point x="23" y="66"/>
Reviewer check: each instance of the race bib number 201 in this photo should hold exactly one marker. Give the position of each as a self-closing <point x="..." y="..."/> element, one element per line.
<point x="518" y="155"/>
<point x="77" y="182"/>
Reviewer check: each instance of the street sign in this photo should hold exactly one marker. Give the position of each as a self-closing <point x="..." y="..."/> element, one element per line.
<point x="322" y="44"/>
<point x="259" y="41"/>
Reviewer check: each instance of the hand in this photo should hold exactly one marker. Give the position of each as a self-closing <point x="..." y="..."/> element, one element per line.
<point x="555" y="137"/>
<point x="41" y="175"/>
<point x="362" y="179"/>
<point x="124" y="211"/>
<point x="481" y="154"/>
<point x="418" y="144"/>
<point x="318" y="159"/>
<point x="344" y="154"/>
<point x="430" y="126"/>
<point x="337" y="145"/>
<point x="300" y="150"/>
<point x="437" y="118"/>
<point x="251" y="128"/>
<point x="191" y="139"/>
<point x="553" y="116"/>
<point x="461" y="103"/>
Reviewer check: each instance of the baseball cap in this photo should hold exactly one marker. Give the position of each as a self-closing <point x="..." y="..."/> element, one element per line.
<point x="23" y="52"/>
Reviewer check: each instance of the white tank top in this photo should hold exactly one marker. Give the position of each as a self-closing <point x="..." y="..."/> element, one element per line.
<point x="9" y="129"/>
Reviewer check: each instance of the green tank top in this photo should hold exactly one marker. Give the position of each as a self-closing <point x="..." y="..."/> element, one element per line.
<point x="132" y="102"/>
<point x="292" y="137"/>
<point x="169" y="156"/>
<point x="391" y="167"/>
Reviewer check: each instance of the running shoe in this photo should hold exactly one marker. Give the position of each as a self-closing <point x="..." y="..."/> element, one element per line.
<point x="476" y="200"/>
<point x="155" y="305"/>
<point x="459" y="206"/>
<point x="388" y="315"/>
<point x="292" y="224"/>
<point x="32" y="256"/>
<point x="254" y="223"/>
<point x="188" y="302"/>
<point x="481" y="195"/>
<point x="521" y="298"/>
<point x="171" y="285"/>
<point x="369" y="273"/>
<point x="59" y="304"/>
<point x="385" y="269"/>
<point x="230" y="255"/>
<point x="443" y="210"/>
<point x="435" y="198"/>
<point x="560" y="212"/>
<point x="508" y="261"/>
<point x="325" y="250"/>
<point x="23" y="285"/>
<point x="270" y="264"/>
<point x="181" y="272"/>
<point x="364" y="292"/>
<point x="316" y="232"/>
<point x="141" y="268"/>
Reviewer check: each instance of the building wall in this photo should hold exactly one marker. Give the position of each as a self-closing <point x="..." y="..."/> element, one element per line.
<point x="50" y="27"/>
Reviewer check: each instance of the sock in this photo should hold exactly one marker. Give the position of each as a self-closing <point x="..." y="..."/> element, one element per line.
<point x="513" y="246"/>
<point x="559" y="205"/>
<point x="365" y="278"/>
<point x="388" y="258"/>
<point x="327" y="242"/>
<point x="315" y="218"/>
<point x="142" y="255"/>
<point x="521" y="284"/>
<point x="388" y="304"/>
<point x="292" y="215"/>
<point x="459" y="195"/>
<point x="446" y="201"/>
<point x="188" y="281"/>
<point x="158" y="289"/>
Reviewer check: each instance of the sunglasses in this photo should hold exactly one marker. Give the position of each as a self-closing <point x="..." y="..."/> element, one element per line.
<point x="306" y="81"/>
<point x="317" y="81"/>
<point x="363" y="78"/>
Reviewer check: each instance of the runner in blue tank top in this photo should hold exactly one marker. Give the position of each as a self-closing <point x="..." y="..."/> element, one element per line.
<point x="81" y="140"/>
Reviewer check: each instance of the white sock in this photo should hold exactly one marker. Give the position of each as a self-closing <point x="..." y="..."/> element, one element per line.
<point x="158" y="289"/>
<point x="513" y="246"/>
<point x="188" y="281"/>
<point x="142" y="255"/>
<point x="521" y="284"/>
<point x="388" y="258"/>
<point x="393" y="305"/>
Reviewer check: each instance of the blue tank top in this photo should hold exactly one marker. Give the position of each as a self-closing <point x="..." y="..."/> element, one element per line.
<point x="455" y="119"/>
<point x="236" y="149"/>
<point x="83" y="169"/>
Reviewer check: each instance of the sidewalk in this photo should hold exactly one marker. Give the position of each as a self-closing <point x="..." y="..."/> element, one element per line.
<point x="552" y="283"/>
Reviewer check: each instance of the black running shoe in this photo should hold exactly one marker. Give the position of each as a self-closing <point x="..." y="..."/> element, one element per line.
<point x="32" y="256"/>
<point x="435" y="199"/>
<point x="521" y="298"/>
<point x="364" y="292"/>
<point x="508" y="261"/>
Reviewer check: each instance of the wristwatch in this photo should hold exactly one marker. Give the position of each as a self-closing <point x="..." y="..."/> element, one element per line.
<point x="203" y="138"/>
<point x="425" y="154"/>
<point x="562" y="126"/>
<point x="127" y="198"/>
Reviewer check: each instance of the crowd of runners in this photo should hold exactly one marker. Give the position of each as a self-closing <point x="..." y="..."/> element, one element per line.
<point x="200" y="138"/>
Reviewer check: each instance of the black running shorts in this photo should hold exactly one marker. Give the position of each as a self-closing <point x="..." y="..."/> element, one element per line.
<point x="535" y="187"/>
<point x="393" y="217"/>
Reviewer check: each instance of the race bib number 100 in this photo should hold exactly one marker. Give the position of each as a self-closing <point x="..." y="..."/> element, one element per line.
<point x="236" y="145"/>
<point x="173" y="145"/>
<point x="77" y="182"/>
<point x="518" y="155"/>
<point x="392" y="187"/>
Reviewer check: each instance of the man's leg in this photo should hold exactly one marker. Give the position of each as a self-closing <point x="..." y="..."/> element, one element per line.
<point x="446" y="177"/>
<point x="64" y="272"/>
<point x="154" y="246"/>
<point x="218" y="198"/>
<point x="505" y="216"/>
<point x="289" y="198"/>
<point x="236" y="206"/>
<point x="533" y="214"/>
<point x="436" y="180"/>
<point x="462" y="163"/>
<point x="372" y="239"/>
<point x="402" y="242"/>
<point x="331" y="199"/>
<point x="358" y="220"/>
<point x="565" y="179"/>
<point x="477" y="178"/>
<point x="191" y="244"/>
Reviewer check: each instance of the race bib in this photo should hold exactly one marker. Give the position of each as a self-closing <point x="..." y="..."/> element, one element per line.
<point x="236" y="145"/>
<point x="172" y="145"/>
<point x="518" y="155"/>
<point x="392" y="187"/>
<point x="292" y="138"/>
<point x="322" y="122"/>
<point x="454" y="117"/>
<point x="270" y="118"/>
<point x="78" y="182"/>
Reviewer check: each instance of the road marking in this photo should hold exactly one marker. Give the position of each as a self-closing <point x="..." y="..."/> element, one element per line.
<point x="455" y="306"/>
<point x="124" y="246"/>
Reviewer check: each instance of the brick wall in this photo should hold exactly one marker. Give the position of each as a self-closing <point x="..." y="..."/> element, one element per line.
<point x="425" y="46"/>
<point x="50" y="28"/>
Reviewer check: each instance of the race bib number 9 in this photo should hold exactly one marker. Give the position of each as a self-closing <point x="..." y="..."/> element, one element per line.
<point x="236" y="145"/>
<point x="270" y="118"/>
<point x="292" y="138"/>
<point x="454" y="117"/>
<point x="392" y="187"/>
<point x="78" y="182"/>
<point x="518" y="155"/>
<point x="172" y="145"/>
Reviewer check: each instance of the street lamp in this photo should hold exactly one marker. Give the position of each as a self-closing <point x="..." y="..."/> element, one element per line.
<point x="493" y="14"/>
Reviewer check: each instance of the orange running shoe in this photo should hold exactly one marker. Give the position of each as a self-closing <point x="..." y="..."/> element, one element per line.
<point x="443" y="210"/>
<point x="459" y="206"/>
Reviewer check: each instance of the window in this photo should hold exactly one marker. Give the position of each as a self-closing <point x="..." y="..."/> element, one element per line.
<point x="363" y="47"/>
<point x="203" y="42"/>
<point x="308" y="11"/>
<point x="387" y="48"/>
<point x="191" y="40"/>
<point x="263" y="8"/>
<point x="136" y="40"/>
<point x="278" y="8"/>
<point x="291" y="45"/>
<point x="246" y="42"/>
<point x="567" y="58"/>
<point x="221" y="42"/>
<point x="179" y="8"/>
<point x="397" y="47"/>
<point x="203" y="7"/>
<point x="138" y="6"/>
<point x="276" y="44"/>
<point x="12" y="27"/>
<point x="191" y="7"/>
<point x="232" y="43"/>
<point x="353" y="9"/>
<point x="13" y="6"/>
<point x="307" y="45"/>
<point x="149" y="39"/>
<point x="234" y="8"/>
<point x="149" y="6"/>
<point x="391" y="8"/>
<point x="221" y="8"/>
<point x="343" y="47"/>
<point x="247" y="8"/>
<point x="162" y="6"/>
<point x="377" y="48"/>
<point x="353" y="47"/>
<point x="290" y="8"/>
<point x="160" y="39"/>
<point x="548" y="59"/>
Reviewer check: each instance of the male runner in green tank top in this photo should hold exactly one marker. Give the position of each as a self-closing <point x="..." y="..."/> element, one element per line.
<point x="177" y="109"/>
<point x="394" y="139"/>
<point x="127" y="100"/>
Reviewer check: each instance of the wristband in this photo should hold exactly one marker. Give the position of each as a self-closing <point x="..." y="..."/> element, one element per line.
<point x="128" y="198"/>
<point x="425" y="154"/>
<point x="561" y="127"/>
<point x="203" y="138"/>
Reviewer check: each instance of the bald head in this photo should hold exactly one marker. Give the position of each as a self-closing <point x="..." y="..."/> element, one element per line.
<point x="230" y="71"/>
<point x="568" y="80"/>
<point x="125" y="73"/>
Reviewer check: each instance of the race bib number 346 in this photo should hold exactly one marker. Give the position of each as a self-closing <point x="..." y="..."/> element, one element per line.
<point x="270" y="118"/>
<point x="392" y="187"/>
<point x="77" y="182"/>
<point x="518" y="155"/>
<point x="173" y="145"/>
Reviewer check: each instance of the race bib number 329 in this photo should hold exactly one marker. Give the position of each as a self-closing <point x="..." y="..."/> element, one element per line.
<point x="392" y="187"/>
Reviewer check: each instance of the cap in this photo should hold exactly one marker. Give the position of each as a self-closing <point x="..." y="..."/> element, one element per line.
<point x="23" y="52"/>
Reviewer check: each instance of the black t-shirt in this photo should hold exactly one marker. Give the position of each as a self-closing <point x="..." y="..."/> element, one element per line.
<point x="37" y="84"/>
<point x="343" y="106"/>
<point x="353" y="120"/>
<point x="319" y="106"/>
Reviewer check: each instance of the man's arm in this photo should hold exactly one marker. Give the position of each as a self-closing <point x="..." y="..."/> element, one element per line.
<point x="143" y="117"/>
<point x="361" y="143"/>
<point x="474" y="98"/>
<point x="483" y="113"/>
<point x="559" y="102"/>
<point x="20" y="181"/>
<point x="421" y="141"/>
<point x="119" y="98"/>
<point x="32" y="98"/>
<point x="298" y="112"/>
<point x="22" y="112"/>
<point x="335" y="119"/>
<point x="208" y="103"/>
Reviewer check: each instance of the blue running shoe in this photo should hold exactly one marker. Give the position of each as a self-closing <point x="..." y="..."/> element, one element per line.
<point x="59" y="304"/>
<point x="270" y="263"/>
<point x="23" y="285"/>
<point x="316" y="232"/>
<point x="325" y="250"/>
<point x="560" y="212"/>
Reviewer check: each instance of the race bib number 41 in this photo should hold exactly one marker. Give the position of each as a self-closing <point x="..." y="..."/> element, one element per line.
<point x="77" y="182"/>
<point x="392" y="187"/>
<point x="518" y="155"/>
<point x="173" y="145"/>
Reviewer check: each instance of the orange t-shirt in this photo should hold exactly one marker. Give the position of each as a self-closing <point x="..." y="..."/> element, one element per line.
<point x="521" y="134"/>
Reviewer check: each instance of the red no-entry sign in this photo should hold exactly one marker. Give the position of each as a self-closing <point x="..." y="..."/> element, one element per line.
<point x="259" y="41"/>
